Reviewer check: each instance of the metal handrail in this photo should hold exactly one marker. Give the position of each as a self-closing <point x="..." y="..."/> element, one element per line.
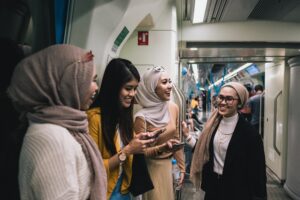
<point x="182" y="109"/>
<point x="260" y="111"/>
<point x="275" y="122"/>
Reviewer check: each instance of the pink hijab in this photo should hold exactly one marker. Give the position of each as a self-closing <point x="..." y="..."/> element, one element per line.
<point x="50" y="87"/>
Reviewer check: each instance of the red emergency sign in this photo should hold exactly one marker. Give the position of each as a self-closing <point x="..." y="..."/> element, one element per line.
<point x="143" y="38"/>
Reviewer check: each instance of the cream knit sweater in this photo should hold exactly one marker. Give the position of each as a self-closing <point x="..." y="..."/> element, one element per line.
<point x="52" y="165"/>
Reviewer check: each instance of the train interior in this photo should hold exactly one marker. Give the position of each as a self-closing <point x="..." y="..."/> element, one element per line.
<point x="252" y="42"/>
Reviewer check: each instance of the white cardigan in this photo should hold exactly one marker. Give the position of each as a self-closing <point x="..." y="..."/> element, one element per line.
<point x="52" y="165"/>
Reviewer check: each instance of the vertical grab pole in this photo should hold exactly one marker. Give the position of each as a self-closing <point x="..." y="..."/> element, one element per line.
<point x="180" y="102"/>
<point x="275" y="122"/>
<point x="260" y="111"/>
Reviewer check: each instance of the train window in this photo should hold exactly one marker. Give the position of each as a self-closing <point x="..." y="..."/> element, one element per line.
<point x="252" y="69"/>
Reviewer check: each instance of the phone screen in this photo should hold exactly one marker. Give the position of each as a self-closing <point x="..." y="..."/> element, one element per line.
<point x="160" y="131"/>
<point x="179" y="145"/>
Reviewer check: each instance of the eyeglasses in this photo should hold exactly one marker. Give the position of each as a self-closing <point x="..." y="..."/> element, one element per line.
<point x="159" y="69"/>
<point x="228" y="99"/>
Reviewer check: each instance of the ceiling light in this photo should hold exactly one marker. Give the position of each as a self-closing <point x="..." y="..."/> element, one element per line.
<point x="231" y="74"/>
<point x="193" y="49"/>
<point x="199" y="10"/>
<point x="191" y="61"/>
<point x="195" y="71"/>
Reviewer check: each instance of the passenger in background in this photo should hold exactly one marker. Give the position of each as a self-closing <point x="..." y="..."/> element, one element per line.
<point x="245" y="111"/>
<point x="256" y="107"/>
<point x="187" y="149"/>
<point x="190" y="120"/>
<point x="195" y="103"/>
<point x="111" y="126"/>
<point x="195" y="110"/>
<point x="10" y="54"/>
<point x="228" y="159"/>
<point x="214" y="102"/>
<point x="59" y="160"/>
<point x="203" y="97"/>
<point x="153" y="94"/>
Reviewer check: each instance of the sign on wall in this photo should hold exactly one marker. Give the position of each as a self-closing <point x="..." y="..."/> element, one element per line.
<point x="122" y="35"/>
<point x="143" y="38"/>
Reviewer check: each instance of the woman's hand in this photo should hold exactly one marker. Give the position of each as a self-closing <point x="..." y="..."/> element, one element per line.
<point x="141" y="141"/>
<point x="153" y="134"/>
<point x="180" y="181"/>
<point x="185" y="129"/>
<point x="171" y="145"/>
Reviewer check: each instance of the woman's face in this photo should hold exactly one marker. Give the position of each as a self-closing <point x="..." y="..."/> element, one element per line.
<point x="227" y="102"/>
<point x="164" y="87"/>
<point x="128" y="92"/>
<point x="92" y="93"/>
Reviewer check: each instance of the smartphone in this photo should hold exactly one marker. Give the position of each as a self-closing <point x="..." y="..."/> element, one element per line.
<point x="160" y="131"/>
<point x="178" y="145"/>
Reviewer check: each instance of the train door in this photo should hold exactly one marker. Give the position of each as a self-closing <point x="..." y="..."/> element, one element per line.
<point x="275" y="117"/>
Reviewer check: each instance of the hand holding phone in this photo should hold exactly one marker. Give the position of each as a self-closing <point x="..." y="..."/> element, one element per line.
<point x="143" y="140"/>
<point x="171" y="145"/>
<point x="177" y="146"/>
<point x="155" y="134"/>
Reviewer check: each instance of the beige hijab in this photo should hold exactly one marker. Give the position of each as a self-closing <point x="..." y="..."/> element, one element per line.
<point x="201" y="153"/>
<point x="154" y="110"/>
<point x="50" y="87"/>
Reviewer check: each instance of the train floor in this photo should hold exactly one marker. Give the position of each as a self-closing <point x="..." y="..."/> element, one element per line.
<point x="275" y="190"/>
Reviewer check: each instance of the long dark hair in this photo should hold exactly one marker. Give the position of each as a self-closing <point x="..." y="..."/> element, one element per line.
<point x="117" y="73"/>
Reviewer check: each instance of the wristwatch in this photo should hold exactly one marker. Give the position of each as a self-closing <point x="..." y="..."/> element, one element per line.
<point x="122" y="156"/>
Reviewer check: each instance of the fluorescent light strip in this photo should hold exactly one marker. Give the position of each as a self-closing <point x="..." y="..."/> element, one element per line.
<point x="231" y="74"/>
<point x="195" y="71"/>
<point x="199" y="11"/>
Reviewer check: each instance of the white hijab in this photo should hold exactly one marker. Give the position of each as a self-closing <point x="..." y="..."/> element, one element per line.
<point x="154" y="110"/>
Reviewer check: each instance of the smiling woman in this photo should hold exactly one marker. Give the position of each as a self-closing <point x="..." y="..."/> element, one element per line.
<point x="111" y="126"/>
<point x="228" y="102"/>
<point x="128" y="92"/>
<point x="92" y="91"/>
<point x="157" y="112"/>
<point x="228" y="158"/>
<point x="164" y="87"/>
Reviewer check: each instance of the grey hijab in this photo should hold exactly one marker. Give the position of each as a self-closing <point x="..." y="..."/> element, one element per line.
<point x="50" y="87"/>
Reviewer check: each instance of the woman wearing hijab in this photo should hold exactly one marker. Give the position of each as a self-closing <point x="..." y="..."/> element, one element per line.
<point x="58" y="160"/>
<point x="153" y="94"/>
<point x="228" y="159"/>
